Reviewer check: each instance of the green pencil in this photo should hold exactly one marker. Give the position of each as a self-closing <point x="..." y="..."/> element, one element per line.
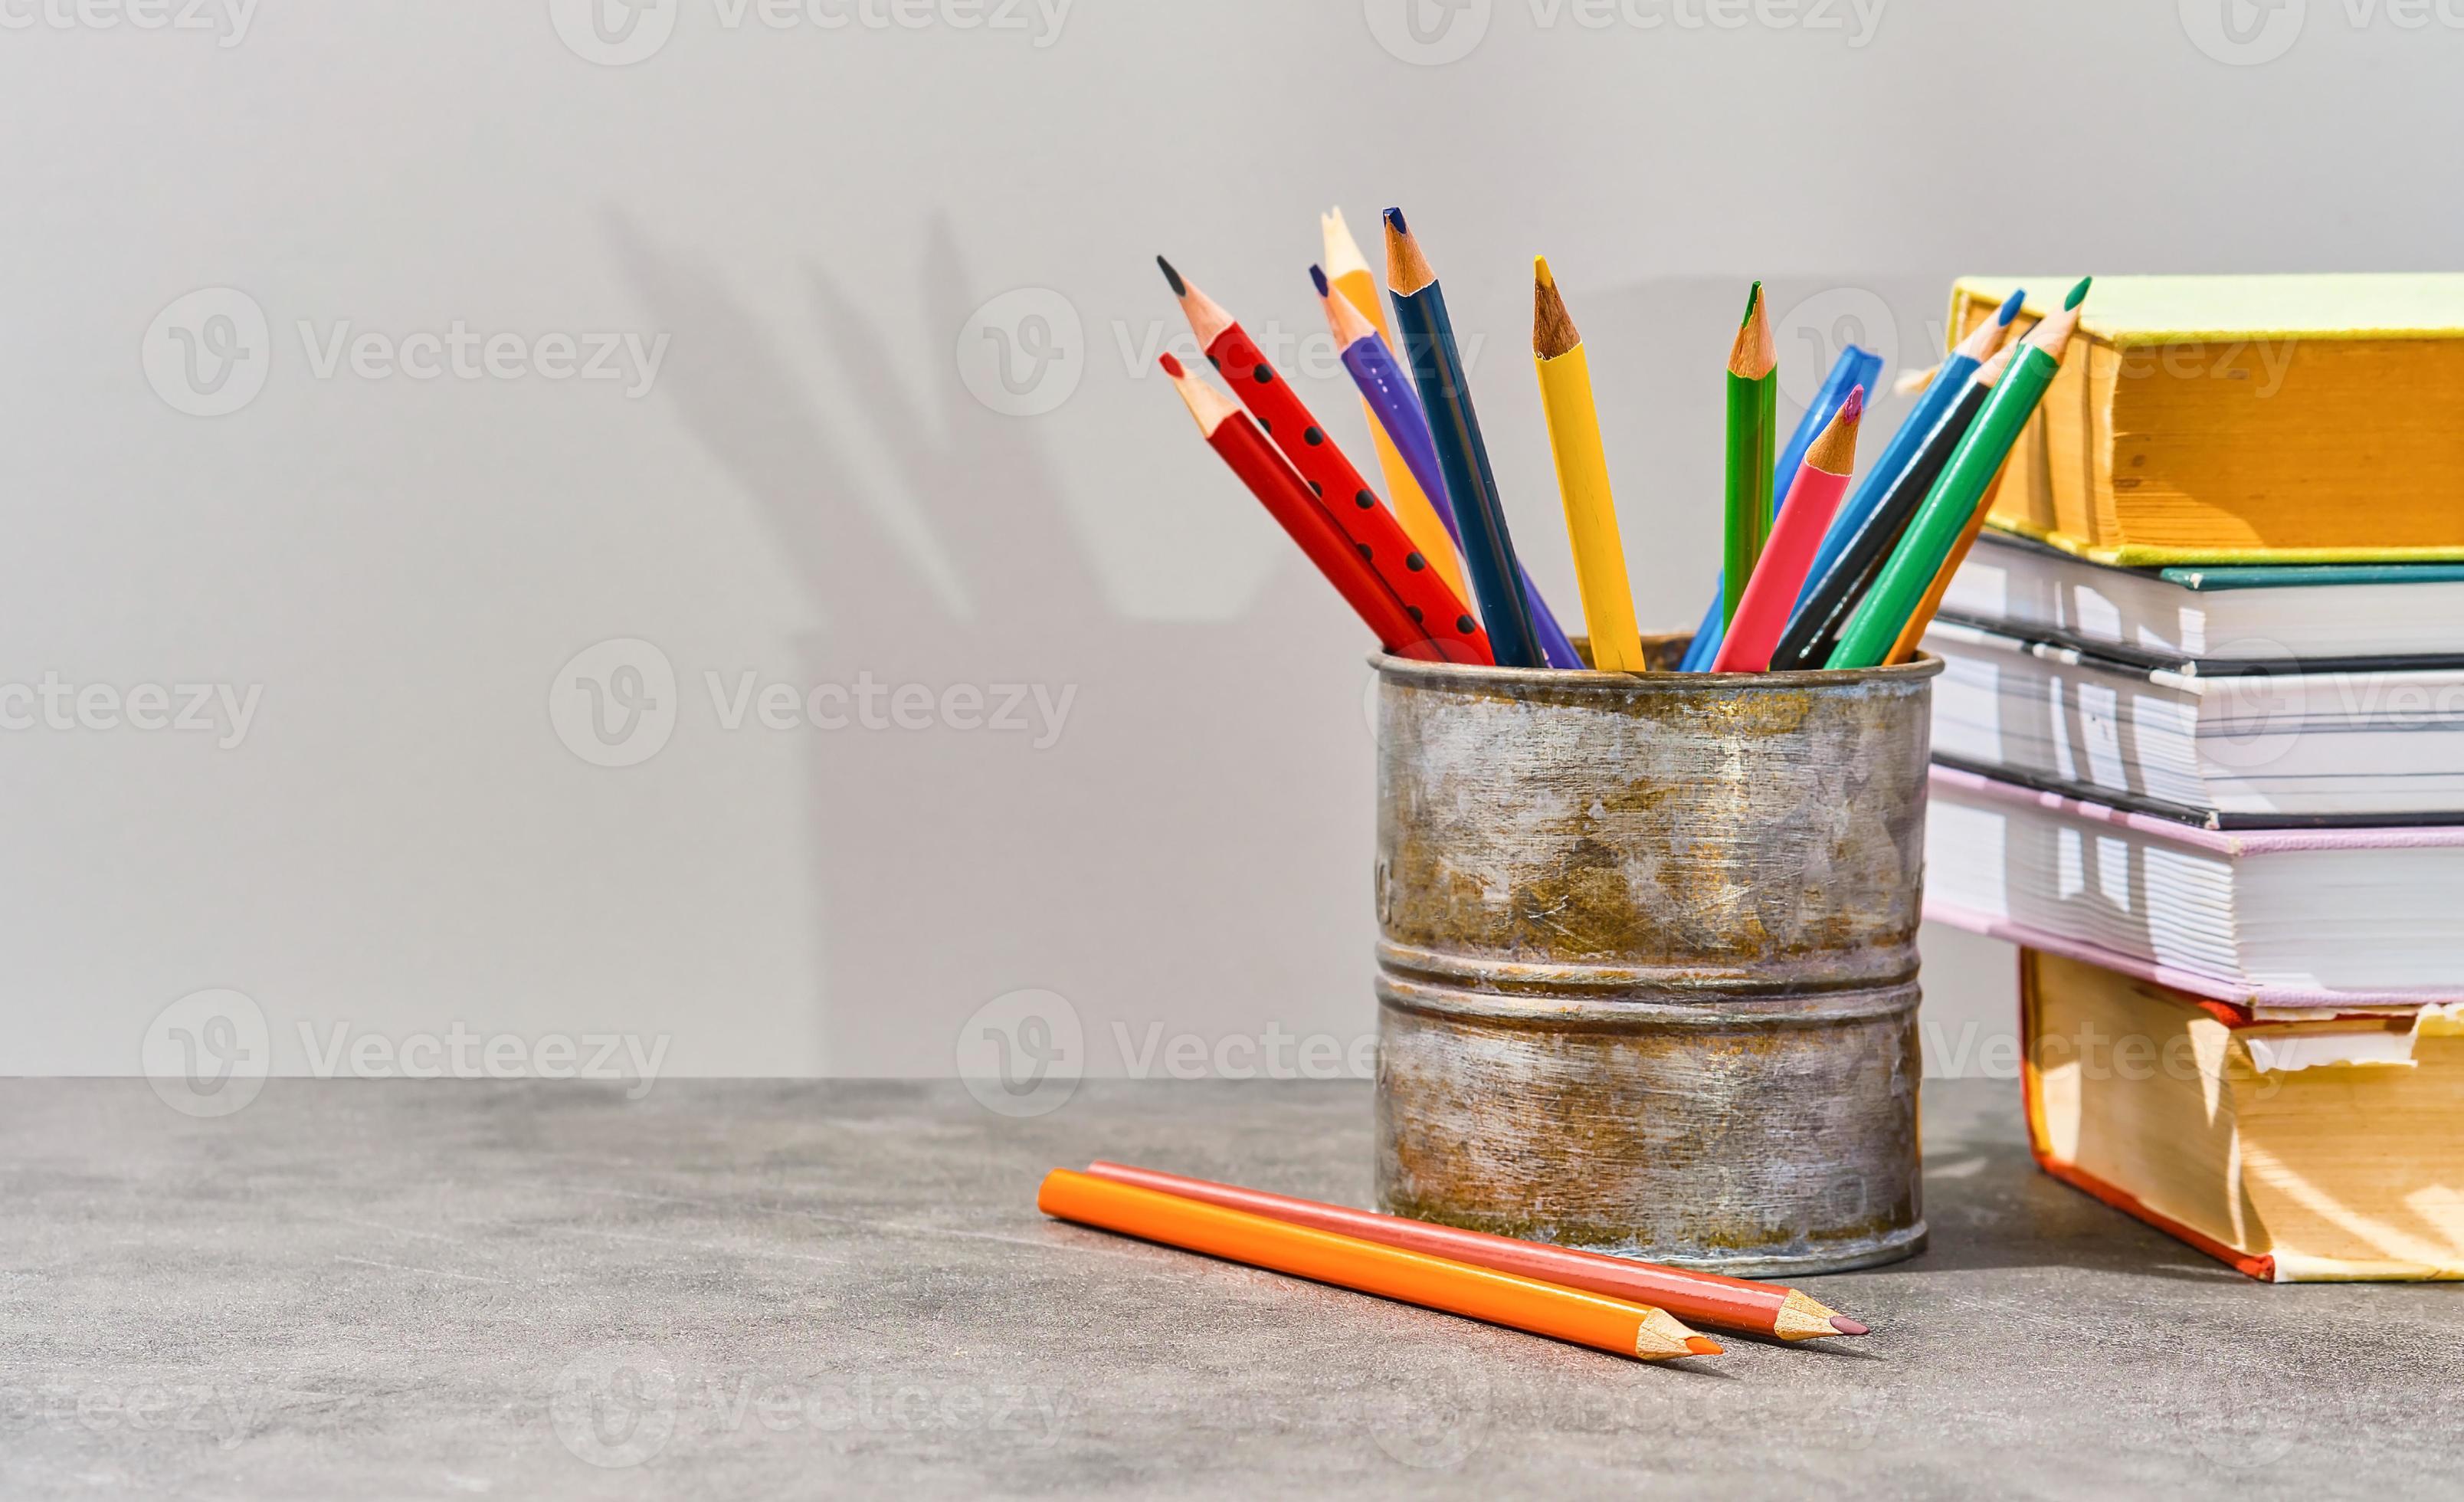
<point x="1874" y="629"/>
<point x="1754" y="445"/>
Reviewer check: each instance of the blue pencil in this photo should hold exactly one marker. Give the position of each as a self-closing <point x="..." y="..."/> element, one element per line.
<point x="1896" y="456"/>
<point x="1389" y="394"/>
<point x="1428" y="337"/>
<point x="1854" y="367"/>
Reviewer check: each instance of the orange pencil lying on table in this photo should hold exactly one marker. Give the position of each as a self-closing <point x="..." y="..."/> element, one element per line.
<point x="1708" y="1299"/>
<point x="1499" y="1298"/>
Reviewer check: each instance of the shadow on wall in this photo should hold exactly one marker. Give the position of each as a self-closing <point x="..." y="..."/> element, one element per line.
<point x="1191" y="849"/>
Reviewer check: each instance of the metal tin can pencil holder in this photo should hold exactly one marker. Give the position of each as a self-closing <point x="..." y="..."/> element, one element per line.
<point x="1647" y="962"/>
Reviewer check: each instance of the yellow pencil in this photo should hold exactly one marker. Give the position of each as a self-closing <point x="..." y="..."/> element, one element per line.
<point x="1348" y="272"/>
<point x="1583" y="478"/>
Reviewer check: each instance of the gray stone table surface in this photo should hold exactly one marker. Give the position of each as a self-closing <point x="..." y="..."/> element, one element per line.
<point x="744" y="1289"/>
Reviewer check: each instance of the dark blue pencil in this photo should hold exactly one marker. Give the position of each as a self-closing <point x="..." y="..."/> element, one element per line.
<point x="1949" y="381"/>
<point x="1428" y="337"/>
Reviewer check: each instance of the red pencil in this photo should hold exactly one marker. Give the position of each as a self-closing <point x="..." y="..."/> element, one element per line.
<point x="1230" y="432"/>
<point x="1705" y="1298"/>
<point x="1813" y="496"/>
<point x="1353" y="507"/>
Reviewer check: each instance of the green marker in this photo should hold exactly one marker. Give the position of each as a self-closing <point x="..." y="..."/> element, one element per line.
<point x="1874" y="627"/>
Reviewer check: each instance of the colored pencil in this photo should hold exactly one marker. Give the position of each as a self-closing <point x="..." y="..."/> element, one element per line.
<point x="1396" y="408"/>
<point x="1821" y="479"/>
<point x="1381" y="540"/>
<point x="1437" y="369"/>
<point x="1904" y="649"/>
<point x="1950" y="380"/>
<point x="1813" y="630"/>
<point x="1350" y="279"/>
<point x="1706" y="1298"/>
<point x="1874" y="629"/>
<point x="1753" y="422"/>
<point x="1573" y="422"/>
<point x="1615" y="1325"/>
<point x="1854" y="367"/>
<point x="1230" y="433"/>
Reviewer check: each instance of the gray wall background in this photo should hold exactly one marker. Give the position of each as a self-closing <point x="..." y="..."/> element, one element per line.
<point x="830" y="234"/>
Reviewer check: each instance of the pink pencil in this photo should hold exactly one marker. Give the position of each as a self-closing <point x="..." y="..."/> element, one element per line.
<point x="1762" y="613"/>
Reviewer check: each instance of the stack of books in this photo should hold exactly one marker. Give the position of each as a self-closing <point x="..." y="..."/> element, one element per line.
<point x="2199" y="749"/>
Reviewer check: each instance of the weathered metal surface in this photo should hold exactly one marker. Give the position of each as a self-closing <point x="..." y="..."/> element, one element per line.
<point x="1647" y="958"/>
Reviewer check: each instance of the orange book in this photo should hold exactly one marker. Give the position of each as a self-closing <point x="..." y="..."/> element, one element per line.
<point x="2305" y="419"/>
<point x="2296" y="1151"/>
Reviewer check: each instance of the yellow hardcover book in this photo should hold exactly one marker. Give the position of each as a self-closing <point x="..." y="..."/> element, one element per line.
<point x="2299" y="1151"/>
<point x="2244" y="420"/>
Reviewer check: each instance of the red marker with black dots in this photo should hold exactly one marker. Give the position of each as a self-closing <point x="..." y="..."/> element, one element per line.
<point x="1230" y="433"/>
<point x="1356" y="509"/>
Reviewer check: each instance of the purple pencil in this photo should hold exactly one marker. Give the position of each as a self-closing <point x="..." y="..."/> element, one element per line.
<point x="1387" y="387"/>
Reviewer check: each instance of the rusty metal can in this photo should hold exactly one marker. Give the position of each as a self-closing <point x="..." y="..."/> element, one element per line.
<point x="1647" y="961"/>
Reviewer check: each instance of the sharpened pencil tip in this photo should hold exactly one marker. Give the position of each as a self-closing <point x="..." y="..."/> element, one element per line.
<point x="1540" y="272"/>
<point x="1172" y="366"/>
<point x="1853" y="409"/>
<point x="1848" y="1327"/>
<point x="2079" y="294"/>
<point x="1753" y="300"/>
<point x="2011" y="307"/>
<point x="1703" y="1345"/>
<point x="1395" y="218"/>
<point x="1179" y="288"/>
<point x="1317" y="280"/>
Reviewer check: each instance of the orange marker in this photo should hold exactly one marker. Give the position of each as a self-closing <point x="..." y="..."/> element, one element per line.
<point x="1500" y="1298"/>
